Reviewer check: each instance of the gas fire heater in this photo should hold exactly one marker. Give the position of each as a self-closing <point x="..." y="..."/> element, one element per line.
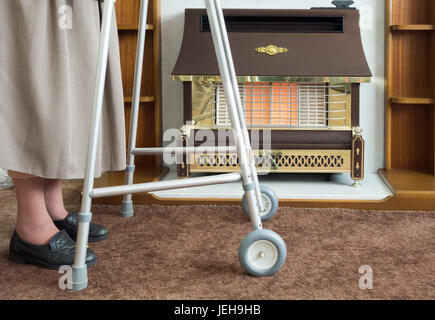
<point x="299" y="75"/>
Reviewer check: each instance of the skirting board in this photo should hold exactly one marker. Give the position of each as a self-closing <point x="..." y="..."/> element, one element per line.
<point x="289" y="187"/>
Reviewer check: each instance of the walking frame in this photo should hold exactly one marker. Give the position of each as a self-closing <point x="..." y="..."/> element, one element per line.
<point x="262" y="252"/>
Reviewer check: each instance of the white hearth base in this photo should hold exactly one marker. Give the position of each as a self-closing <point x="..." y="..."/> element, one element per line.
<point x="289" y="187"/>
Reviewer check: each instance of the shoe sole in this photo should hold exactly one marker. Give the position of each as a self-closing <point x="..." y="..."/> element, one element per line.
<point x="15" y="257"/>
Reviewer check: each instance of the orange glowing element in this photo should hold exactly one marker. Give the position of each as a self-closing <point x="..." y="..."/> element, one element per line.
<point x="269" y="103"/>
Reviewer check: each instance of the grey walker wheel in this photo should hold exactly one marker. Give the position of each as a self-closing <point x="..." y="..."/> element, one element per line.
<point x="270" y="203"/>
<point x="262" y="253"/>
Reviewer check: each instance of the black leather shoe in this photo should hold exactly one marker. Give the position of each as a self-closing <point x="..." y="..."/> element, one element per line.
<point x="71" y="224"/>
<point x="58" y="252"/>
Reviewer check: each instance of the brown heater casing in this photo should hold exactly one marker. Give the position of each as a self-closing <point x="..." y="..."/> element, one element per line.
<point x="321" y="46"/>
<point x="310" y="54"/>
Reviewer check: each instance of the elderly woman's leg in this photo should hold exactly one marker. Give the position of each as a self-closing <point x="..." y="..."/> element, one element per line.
<point x="54" y="199"/>
<point x="62" y="218"/>
<point x="34" y="224"/>
<point x="37" y="239"/>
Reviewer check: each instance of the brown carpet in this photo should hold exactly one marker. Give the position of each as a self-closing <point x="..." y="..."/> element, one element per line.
<point x="190" y="252"/>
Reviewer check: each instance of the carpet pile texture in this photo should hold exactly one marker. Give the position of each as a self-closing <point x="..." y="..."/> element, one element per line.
<point x="190" y="252"/>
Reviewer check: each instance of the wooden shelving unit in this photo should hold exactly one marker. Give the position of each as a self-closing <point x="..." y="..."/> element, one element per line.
<point x="129" y="99"/>
<point x="403" y="100"/>
<point x="127" y="13"/>
<point x="413" y="27"/>
<point x="410" y="93"/>
<point x="149" y="127"/>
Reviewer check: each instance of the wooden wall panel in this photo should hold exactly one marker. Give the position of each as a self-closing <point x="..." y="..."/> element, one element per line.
<point x="412" y="54"/>
<point x="127" y="50"/>
<point x="411" y="12"/>
<point x="433" y="78"/>
<point x="412" y="141"/>
<point x="146" y="119"/>
<point x="127" y="11"/>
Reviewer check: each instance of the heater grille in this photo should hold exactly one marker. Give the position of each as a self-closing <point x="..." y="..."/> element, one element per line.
<point x="312" y="105"/>
<point x="284" y="161"/>
<point x="286" y="104"/>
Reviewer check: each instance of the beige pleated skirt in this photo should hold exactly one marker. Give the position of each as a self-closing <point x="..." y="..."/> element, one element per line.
<point x="47" y="77"/>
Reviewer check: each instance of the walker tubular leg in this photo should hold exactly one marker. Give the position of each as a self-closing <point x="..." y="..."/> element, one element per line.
<point x="230" y="90"/>
<point x="127" y="202"/>
<point x="242" y="121"/>
<point x="79" y="276"/>
<point x="262" y="252"/>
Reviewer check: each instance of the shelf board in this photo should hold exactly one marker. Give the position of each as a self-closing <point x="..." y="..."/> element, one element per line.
<point x="409" y="181"/>
<point x="133" y="27"/>
<point x="142" y="99"/>
<point x="412" y="27"/>
<point x="407" y="100"/>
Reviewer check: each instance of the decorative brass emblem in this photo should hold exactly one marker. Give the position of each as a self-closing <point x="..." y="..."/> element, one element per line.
<point x="271" y="50"/>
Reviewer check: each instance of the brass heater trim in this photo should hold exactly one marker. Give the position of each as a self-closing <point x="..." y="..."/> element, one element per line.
<point x="301" y="161"/>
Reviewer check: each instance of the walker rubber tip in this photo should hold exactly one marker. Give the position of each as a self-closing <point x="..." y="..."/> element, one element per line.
<point x="79" y="278"/>
<point x="80" y="286"/>
<point x="127" y="210"/>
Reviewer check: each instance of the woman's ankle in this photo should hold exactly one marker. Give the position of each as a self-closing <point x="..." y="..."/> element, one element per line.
<point x="38" y="234"/>
<point x="34" y="224"/>
<point x="58" y="214"/>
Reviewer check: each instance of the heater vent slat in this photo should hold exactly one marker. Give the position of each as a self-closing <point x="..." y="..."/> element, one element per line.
<point x="279" y="24"/>
<point x="312" y="105"/>
<point x="281" y="104"/>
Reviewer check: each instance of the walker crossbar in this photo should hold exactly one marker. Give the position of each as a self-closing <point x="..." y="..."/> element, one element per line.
<point x="262" y="252"/>
<point x="166" y="185"/>
<point x="183" y="150"/>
